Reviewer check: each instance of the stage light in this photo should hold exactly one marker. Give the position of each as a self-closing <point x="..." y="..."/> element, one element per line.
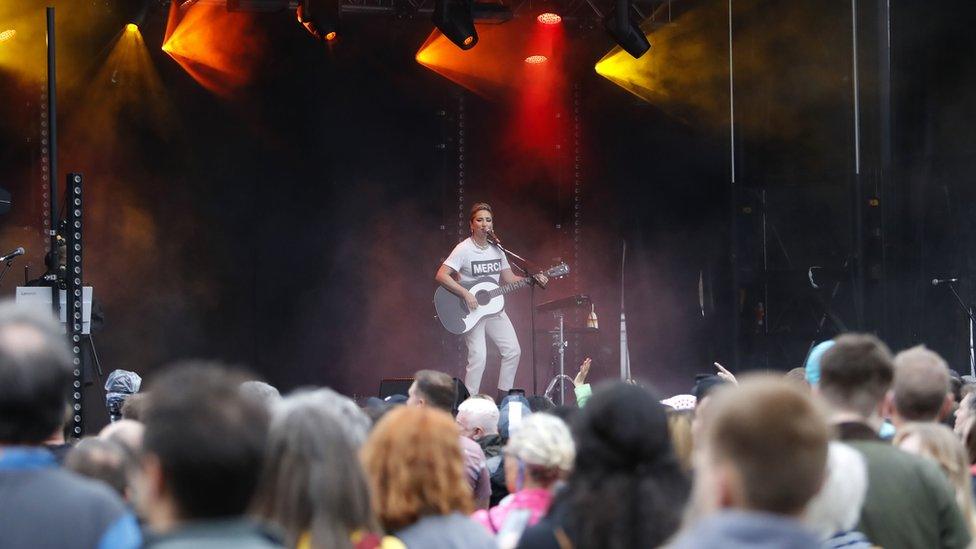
<point x="455" y="19"/>
<point x="625" y="31"/>
<point x="549" y="18"/>
<point x="536" y="59"/>
<point x="132" y="27"/>
<point x="7" y="35"/>
<point x="320" y="18"/>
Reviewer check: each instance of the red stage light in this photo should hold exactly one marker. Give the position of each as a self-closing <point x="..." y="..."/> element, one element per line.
<point x="549" y="18"/>
<point x="536" y="59"/>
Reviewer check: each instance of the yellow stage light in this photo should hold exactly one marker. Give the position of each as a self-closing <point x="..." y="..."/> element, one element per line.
<point x="7" y="35"/>
<point x="132" y="27"/>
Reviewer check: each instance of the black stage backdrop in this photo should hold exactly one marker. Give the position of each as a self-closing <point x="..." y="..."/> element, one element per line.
<point x="293" y="226"/>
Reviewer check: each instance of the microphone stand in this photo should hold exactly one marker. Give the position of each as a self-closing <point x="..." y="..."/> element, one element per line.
<point x="522" y="266"/>
<point x="6" y="267"/>
<point x="972" y="323"/>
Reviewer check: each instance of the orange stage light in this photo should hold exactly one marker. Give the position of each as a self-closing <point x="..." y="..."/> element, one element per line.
<point x="219" y="49"/>
<point x="330" y="36"/>
<point x="131" y="27"/>
<point x="536" y="59"/>
<point x="8" y="34"/>
<point x="549" y="18"/>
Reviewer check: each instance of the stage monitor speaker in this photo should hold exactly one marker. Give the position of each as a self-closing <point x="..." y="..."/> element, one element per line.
<point x="390" y="386"/>
<point x="395" y="386"/>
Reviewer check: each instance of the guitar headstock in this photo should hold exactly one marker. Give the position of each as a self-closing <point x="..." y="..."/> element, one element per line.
<point x="558" y="271"/>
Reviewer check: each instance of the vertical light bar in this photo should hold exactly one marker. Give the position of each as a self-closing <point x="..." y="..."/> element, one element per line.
<point x="74" y="295"/>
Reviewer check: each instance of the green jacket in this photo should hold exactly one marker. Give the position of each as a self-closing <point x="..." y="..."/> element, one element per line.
<point x="909" y="503"/>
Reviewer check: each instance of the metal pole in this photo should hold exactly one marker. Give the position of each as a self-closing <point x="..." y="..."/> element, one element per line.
<point x="52" y="112"/>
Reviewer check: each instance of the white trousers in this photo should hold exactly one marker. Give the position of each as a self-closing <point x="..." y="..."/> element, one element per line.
<point x="501" y="332"/>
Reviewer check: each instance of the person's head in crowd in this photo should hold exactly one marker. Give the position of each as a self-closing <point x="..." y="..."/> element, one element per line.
<point x="626" y="488"/>
<point x="955" y="385"/>
<point x="540" y="403"/>
<point x="484" y="396"/>
<point x="414" y="466"/>
<point x="811" y="366"/>
<point x="354" y="421"/>
<point x="855" y="374"/>
<point x="837" y="507"/>
<point x="134" y="406"/>
<point x="799" y="376"/>
<point x="203" y="447"/>
<point x="477" y="418"/>
<point x="968" y="387"/>
<point x="763" y="449"/>
<point x="106" y="461"/>
<point x="965" y="414"/>
<point x="312" y="484"/>
<point x="939" y="443"/>
<point x="126" y="432"/>
<point x="921" y="390"/>
<point x="35" y="374"/>
<point x="434" y="389"/>
<point x="679" y="426"/>
<point x="539" y="454"/>
<point x="565" y="412"/>
<point x="704" y="385"/>
<point x="513" y="410"/>
<point x="120" y="385"/>
<point x="377" y="407"/>
<point x="261" y="392"/>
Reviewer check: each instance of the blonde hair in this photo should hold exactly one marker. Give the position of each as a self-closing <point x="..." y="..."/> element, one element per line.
<point x="545" y="441"/>
<point x="938" y="442"/>
<point x="414" y="463"/>
<point x="679" y="427"/>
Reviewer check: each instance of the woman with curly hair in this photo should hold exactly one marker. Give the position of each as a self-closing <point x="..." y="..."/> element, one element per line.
<point x="627" y="488"/>
<point x="415" y="468"/>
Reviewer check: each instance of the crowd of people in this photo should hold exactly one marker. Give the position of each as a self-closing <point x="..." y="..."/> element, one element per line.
<point x="857" y="448"/>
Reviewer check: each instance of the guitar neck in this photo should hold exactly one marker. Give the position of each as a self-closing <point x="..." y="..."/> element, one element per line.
<point x="509" y="288"/>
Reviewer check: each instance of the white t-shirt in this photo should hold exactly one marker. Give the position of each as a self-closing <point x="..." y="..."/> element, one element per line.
<point x="472" y="263"/>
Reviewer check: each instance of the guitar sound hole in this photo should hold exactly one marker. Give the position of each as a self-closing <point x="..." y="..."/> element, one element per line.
<point x="482" y="297"/>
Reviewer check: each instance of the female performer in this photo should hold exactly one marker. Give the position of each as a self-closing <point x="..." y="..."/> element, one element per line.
<point x="473" y="258"/>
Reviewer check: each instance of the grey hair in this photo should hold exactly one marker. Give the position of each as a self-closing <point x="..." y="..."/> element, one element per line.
<point x="479" y="412"/>
<point x="353" y="420"/>
<point x="312" y="480"/>
<point x="543" y="440"/>
<point x="837" y="507"/>
<point x="259" y="391"/>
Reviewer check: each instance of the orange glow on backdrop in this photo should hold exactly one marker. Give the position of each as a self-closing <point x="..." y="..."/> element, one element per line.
<point x="219" y="49"/>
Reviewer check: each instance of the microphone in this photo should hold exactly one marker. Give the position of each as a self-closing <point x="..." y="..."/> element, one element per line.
<point x="493" y="238"/>
<point x="937" y="281"/>
<point x="13" y="254"/>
